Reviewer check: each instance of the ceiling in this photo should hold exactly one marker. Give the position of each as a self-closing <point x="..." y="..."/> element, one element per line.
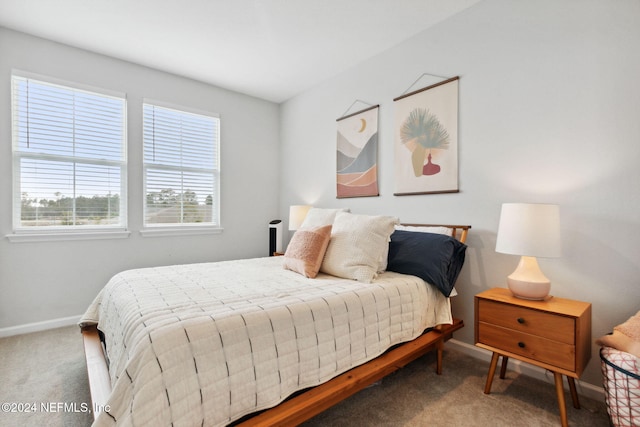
<point x="270" y="49"/>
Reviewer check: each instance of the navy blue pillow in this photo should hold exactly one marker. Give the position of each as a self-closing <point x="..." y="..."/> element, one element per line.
<point x="435" y="258"/>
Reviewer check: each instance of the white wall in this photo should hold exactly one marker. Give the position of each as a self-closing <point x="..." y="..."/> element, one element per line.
<point x="44" y="281"/>
<point x="549" y="111"/>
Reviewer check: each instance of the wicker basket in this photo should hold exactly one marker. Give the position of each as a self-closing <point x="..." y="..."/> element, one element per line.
<point x="621" y="372"/>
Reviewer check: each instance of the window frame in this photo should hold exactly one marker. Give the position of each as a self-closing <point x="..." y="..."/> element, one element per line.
<point x="21" y="233"/>
<point x="169" y="229"/>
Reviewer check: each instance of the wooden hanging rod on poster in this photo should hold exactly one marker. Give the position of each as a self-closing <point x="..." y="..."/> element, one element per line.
<point x="444" y="82"/>
<point x="357" y="112"/>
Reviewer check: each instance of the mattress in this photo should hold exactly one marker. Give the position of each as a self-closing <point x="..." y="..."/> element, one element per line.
<point x="206" y="344"/>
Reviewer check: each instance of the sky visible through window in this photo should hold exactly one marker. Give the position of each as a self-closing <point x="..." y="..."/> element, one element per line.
<point x="69" y="150"/>
<point x="70" y="159"/>
<point x="180" y="164"/>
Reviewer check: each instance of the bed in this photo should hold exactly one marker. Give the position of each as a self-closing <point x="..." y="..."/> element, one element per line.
<point x="249" y="342"/>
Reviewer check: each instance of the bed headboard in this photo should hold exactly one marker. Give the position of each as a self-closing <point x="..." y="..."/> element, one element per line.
<point x="457" y="231"/>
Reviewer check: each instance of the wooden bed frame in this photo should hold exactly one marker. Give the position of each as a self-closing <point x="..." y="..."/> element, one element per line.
<point x="313" y="401"/>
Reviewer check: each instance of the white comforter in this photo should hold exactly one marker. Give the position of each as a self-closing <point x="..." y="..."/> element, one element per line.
<point x="205" y="344"/>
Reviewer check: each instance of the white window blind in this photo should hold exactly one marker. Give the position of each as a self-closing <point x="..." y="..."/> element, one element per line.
<point x="69" y="155"/>
<point x="180" y="167"/>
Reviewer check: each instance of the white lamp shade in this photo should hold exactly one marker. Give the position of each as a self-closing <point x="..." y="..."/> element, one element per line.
<point x="297" y="214"/>
<point x="530" y="230"/>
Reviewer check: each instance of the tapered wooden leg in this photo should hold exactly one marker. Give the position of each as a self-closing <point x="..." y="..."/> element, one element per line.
<point x="561" y="404"/>
<point x="439" y="350"/>
<point x="503" y="367"/>
<point x="492" y="371"/>
<point x="574" y="392"/>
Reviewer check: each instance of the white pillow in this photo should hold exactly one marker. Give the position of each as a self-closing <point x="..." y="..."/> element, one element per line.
<point x="382" y="262"/>
<point x="436" y="230"/>
<point x="319" y="217"/>
<point x="356" y="246"/>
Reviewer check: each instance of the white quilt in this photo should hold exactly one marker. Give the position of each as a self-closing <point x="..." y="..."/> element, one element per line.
<point x="205" y="344"/>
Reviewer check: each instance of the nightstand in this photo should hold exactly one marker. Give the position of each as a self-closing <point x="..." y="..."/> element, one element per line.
<point x="554" y="334"/>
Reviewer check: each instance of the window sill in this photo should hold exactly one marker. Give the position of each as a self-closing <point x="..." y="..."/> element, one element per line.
<point x="180" y="231"/>
<point x="72" y="235"/>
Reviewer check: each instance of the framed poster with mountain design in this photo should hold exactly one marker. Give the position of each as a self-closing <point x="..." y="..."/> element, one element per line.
<point x="426" y="140"/>
<point x="357" y="154"/>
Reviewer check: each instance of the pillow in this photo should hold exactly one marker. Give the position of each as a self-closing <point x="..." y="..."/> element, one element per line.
<point x="437" y="230"/>
<point x="317" y="217"/>
<point x="435" y="258"/>
<point x="306" y="250"/>
<point x="382" y="261"/>
<point x="356" y="246"/>
<point x="420" y="229"/>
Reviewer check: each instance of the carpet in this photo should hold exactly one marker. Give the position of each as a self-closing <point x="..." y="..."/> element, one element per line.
<point x="43" y="378"/>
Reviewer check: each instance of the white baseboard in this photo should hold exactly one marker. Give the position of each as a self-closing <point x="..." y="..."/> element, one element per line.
<point x="39" y="326"/>
<point x="588" y="390"/>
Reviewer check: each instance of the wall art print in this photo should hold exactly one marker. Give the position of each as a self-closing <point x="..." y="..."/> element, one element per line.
<point x="357" y="154"/>
<point x="426" y="140"/>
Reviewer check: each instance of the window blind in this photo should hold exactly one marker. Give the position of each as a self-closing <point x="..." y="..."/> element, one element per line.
<point x="181" y="167"/>
<point x="69" y="154"/>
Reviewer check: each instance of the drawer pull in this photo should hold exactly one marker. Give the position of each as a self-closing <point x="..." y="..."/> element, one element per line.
<point x="521" y="344"/>
<point x="520" y="320"/>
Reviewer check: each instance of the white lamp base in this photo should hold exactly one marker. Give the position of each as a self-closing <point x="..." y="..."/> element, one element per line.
<point x="527" y="281"/>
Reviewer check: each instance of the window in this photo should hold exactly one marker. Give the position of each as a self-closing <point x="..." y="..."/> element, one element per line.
<point x="69" y="156"/>
<point x="181" y="172"/>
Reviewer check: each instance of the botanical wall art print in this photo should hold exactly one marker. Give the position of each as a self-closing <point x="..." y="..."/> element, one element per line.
<point x="426" y="140"/>
<point x="357" y="154"/>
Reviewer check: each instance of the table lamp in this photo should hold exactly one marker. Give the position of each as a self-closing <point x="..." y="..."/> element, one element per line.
<point x="297" y="213"/>
<point x="529" y="230"/>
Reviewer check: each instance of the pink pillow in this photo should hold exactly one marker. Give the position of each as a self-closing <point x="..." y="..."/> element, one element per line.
<point x="306" y="250"/>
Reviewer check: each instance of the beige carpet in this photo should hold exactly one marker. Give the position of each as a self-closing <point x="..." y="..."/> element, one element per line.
<point x="44" y="368"/>
<point x="47" y="369"/>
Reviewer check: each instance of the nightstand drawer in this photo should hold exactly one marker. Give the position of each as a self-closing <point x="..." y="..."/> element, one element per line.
<point x="534" y="347"/>
<point x="554" y="334"/>
<point x="534" y="322"/>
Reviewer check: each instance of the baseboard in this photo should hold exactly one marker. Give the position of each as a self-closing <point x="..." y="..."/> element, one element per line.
<point x="39" y="326"/>
<point x="588" y="390"/>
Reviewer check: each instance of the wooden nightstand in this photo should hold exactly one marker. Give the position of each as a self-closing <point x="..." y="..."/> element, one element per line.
<point x="554" y="334"/>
